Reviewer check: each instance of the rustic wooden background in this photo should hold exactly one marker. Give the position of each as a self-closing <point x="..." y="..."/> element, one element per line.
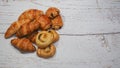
<point x="90" y="37"/>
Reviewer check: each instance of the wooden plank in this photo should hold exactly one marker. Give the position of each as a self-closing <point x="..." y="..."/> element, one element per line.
<point x="79" y="16"/>
<point x="108" y="4"/>
<point x="113" y="42"/>
<point x="96" y="51"/>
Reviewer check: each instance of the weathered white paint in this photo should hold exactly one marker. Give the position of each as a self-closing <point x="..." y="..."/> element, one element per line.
<point x="80" y="17"/>
<point x="72" y="51"/>
<point x="90" y="36"/>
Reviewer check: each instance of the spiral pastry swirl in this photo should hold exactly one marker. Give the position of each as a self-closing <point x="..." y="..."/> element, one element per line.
<point x="46" y="52"/>
<point x="44" y="39"/>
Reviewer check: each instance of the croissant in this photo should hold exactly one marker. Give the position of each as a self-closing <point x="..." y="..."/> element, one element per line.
<point x="55" y="35"/>
<point x="32" y="36"/>
<point x="52" y="12"/>
<point x="31" y="14"/>
<point x="44" y="39"/>
<point x="57" y="22"/>
<point x="23" y="44"/>
<point x="46" y="52"/>
<point x="27" y="29"/>
<point x="44" y="21"/>
<point x="14" y="27"/>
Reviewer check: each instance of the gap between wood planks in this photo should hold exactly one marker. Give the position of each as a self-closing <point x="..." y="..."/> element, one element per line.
<point x="84" y="34"/>
<point x="91" y="34"/>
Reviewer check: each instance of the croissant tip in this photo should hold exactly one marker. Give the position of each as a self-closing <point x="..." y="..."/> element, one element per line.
<point x="5" y="37"/>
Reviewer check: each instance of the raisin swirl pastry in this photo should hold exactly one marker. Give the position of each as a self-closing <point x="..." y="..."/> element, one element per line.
<point x="57" y="22"/>
<point x="52" y="12"/>
<point x="44" y="39"/>
<point x="46" y="52"/>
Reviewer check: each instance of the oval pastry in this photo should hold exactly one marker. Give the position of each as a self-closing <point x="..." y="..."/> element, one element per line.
<point x="57" y="22"/>
<point x="46" y="52"/>
<point x="44" y="39"/>
<point x="44" y="21"/>
<point x="52" y="12"/>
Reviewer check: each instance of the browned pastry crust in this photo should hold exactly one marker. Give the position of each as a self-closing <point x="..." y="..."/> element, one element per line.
<point x="46" y="52"/>
<point x="52" y="12"/>
<point x="14" y="27"/>
<point x="23" y="44"/>
<point x="31" y="14"/>
<point x="27" y="29"/>
<point x="44" y="39"/>
<point x="32" y="37"/>
<point x="44" y="21"/>
<point x="57" y="22"/>
<point x="55" y="35"/>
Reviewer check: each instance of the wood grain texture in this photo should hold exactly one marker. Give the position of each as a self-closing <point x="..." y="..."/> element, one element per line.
<point x="90" y="36"/>
<point x="99" y="51"/>
<point x="80" y="16"/>
<point x="81" y="51"/>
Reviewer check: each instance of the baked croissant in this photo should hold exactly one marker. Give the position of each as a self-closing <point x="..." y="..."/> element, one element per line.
<point x="14" y="27"/>
<point x="57" y="22"/>
<point x="52" y="12"/>
<point x="46" y="52"/>
<point x="31" y="14"/>
<point x="32" y="37"/>
<point x="55" y="35"/>
<point x="44" y="39"/>
<point x="23" y="44"/>
<point x="27" y="29"/>
<point x="44" y="21"/>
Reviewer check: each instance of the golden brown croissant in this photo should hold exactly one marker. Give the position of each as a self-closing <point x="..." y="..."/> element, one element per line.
<point x="46" y="52"/>
<point x="44" y="21"/>
<point x="23" y="44"/>
<point x="57" y="22"/>
<point x="27" y="29"/>
<point x="44" y="39"/>
<point x="52" y="12"/>
<point x="32" y="37"/>
<point x="55" y="35"/>
<point x="14" y="27"/>
<point x="31" y="14"/>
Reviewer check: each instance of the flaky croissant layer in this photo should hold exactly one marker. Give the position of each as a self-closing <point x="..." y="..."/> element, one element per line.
<point x="28" y="28"/>
<point x="14" y="27"/>
<point x="31" y="14"/>
<point x="23" y="45"/>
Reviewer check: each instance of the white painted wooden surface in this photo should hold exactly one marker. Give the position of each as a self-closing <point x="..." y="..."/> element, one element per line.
<point x="90" y="37"/>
